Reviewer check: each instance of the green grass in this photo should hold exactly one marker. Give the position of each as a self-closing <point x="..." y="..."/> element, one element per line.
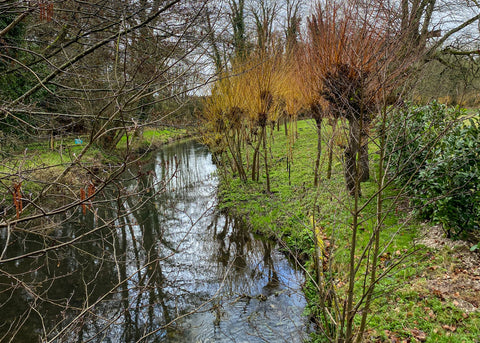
<point x="35" y="164"/>
<point x="153" y="137"/>
<point x="287" y="212"/>
<point x="38" y="155"/>
<point x="410" y="310"/>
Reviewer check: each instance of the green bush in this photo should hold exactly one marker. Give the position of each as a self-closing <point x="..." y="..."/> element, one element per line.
<point x="435" y="154"/>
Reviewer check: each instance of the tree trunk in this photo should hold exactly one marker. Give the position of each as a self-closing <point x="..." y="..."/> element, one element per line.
<point x="265" y="156"/>
<point x="256" y="160"/>
<point x="236" y="156"/>
<point x="363" y="167"/>
<point x="241" y="170"/>
<point x="318" y="121"/>
<point x="351" y="152"/>
<point x="52" y="141"/>
<point x="333" y="123"/>
<point x="110" y="138"/>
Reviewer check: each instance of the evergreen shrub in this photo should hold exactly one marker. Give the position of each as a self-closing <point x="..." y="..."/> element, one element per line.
<point x="434" y="152"/>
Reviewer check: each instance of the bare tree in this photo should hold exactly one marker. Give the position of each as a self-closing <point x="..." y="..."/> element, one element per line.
<point x="99" y="70"/>
<point x="364" y="57"/>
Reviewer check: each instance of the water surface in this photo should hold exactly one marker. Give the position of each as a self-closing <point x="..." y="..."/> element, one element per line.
<point x="159" y="265"/>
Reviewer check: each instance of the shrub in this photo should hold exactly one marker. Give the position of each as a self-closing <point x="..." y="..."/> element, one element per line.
<point x="434" y="151"/>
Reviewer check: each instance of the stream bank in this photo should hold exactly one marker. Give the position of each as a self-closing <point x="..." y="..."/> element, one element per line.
<point x="437" y="280"/>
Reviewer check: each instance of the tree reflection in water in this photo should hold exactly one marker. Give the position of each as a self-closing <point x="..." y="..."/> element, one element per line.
<point x="149" y="251"/>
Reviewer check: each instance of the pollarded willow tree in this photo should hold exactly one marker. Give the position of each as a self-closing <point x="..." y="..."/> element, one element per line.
<point x="255" y="88"/>
<point x="293" y="100"/>
<point x="361" y="56"/>
<point x="262" y="105"/>
<point x="225" y="122"/>
<point x="358" y="56"/>
<point x="307" y="69"/>
<point x="237" y="113"/>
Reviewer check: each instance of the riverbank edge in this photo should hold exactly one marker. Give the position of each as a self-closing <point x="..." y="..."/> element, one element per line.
<point x="97" y="160"/>
<point x="438" y="290"/>
<point x="437" y="286"/>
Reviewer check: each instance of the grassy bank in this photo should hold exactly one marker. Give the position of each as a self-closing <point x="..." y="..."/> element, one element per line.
<point x="37" y="164"/>
<point x="431" y="296"/>
<point x="152" y="138"/>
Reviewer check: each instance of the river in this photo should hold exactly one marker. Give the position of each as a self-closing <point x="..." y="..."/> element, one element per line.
<point x="162" y="264"/>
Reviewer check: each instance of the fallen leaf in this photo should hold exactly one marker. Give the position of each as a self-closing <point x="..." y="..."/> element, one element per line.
<point x="438" y="294"/>
<point x="449" y="328"/>
<point x="419" y="334"/>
